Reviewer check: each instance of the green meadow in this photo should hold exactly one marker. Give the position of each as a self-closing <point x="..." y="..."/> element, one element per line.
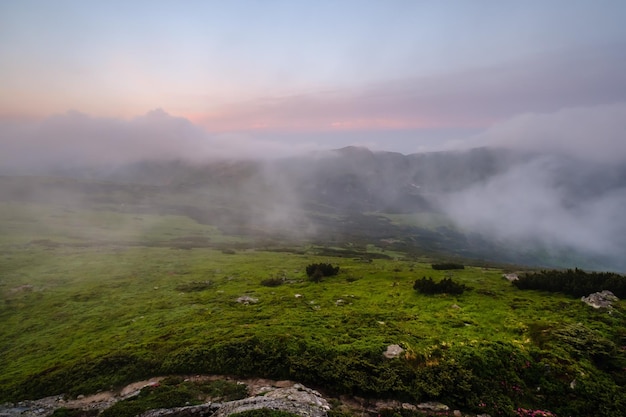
<point x="95" y="298"/>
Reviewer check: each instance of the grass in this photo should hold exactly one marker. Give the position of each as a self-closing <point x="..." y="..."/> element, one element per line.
<point x="122" y="307"/>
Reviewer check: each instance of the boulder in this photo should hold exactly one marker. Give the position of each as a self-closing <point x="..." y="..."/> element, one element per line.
<point x="296" y="399"/>
<point x="602" y="299"/>
<point x="433" y="406"/>
<point x="510" y="277"/>
<point x="393" y="351"/>
<point x="245" y="299"/>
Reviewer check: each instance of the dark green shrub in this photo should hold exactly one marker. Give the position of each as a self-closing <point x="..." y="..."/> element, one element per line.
<point x="272" y="282"/>
<point x="158" y="396"/>
<point x="574" y="282"/>
<point x="317" y="271"/>
<point x="445" y="286"/>
<point x="447" y="266"/>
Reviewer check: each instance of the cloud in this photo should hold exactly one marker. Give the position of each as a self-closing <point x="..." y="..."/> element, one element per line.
<point x="590" y="133"/>
<point x="475" y="98"/>
<point x="539" y="201"/>
<point x="77" y="140"/>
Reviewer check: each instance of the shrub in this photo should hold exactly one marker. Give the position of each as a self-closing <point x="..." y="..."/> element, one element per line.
<point x="272" y="282"/>
<point x="317" y="271"/>
<point x="447" y="266"/>
<point x="574" y="282"/>
<point x="445" y="286"/>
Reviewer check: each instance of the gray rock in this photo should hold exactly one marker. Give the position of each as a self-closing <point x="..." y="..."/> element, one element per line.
<point x="510" y="277"/>
<point x="245" y="299"/>
<point x="602" y="299"/>
<point x="297" y="400"/>
<point x="393" y="351"/>
<point x="433" y="406"/>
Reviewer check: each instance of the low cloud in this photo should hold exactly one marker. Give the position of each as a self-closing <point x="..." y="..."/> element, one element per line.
<point x="77" y="140"/>
<point x="588" y="133"/>
<point x="536" y="202"/>
<point x="566" y="191"/>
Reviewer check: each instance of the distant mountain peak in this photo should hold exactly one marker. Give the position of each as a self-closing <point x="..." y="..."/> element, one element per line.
<point x="355" y="152"/>
<point x="354" y="149"/>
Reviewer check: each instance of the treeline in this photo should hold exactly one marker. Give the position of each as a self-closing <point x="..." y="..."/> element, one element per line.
<point x="574" y="282"/>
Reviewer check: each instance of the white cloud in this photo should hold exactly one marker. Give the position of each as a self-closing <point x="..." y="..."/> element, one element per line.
<point x="75" y="139"/>
<point x="591" y="133"/>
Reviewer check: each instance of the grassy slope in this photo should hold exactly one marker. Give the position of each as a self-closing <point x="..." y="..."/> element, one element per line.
<point x="117" y="295"/>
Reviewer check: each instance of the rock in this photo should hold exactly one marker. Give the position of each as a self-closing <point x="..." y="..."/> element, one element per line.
<point x="602" y="299"/>
<point x="298" y="400"/>
<point x="410" y="407"/>
<point x="204" y="410"/>
<point x="283" y="384"/>
<point x="433" y="406"/>
<point x="393" y="351"/>
<point x="456" y="307"/>
<point x="457" y="413"/>
<point x="510" y="277"/>
<point x="245" y="299"/>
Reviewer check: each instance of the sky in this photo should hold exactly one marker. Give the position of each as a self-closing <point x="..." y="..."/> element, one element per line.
<point x="278" y="77"/>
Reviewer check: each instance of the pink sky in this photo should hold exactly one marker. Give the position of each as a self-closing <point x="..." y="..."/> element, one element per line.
<point x="333" y="68"/>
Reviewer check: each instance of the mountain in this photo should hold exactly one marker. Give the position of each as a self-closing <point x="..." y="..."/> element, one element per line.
<point x="485" y="203"/>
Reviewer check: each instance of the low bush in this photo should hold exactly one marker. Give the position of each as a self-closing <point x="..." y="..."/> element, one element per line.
<point x="174" y="392"/>
<point x="574" y="282"/>
<point x="272" y="282"/>
<point x="316" y="272"/>
<point x="447" y="266"/>
<point x="445" y="286"/>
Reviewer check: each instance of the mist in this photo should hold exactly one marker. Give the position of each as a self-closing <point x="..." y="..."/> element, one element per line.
<point x="77" y="140"/>
<point x="553" y="181"/>
<point x="532" y="202"/>
<point x="568" y="191"/>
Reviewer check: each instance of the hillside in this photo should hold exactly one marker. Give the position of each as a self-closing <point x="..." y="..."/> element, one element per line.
<point x="175" y="269"/>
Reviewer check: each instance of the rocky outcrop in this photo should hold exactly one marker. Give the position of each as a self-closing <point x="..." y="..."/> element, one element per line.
<point x="274" y="395"/>
<point x="298" y="400"/>
<point x="602" y="299"/>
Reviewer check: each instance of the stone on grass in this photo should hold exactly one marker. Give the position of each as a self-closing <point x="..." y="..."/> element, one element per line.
<point x="393" y="351"/>
<point x="245" y="299"/>
<point x="602" y="299"/>
<point x="433" y="406"/>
